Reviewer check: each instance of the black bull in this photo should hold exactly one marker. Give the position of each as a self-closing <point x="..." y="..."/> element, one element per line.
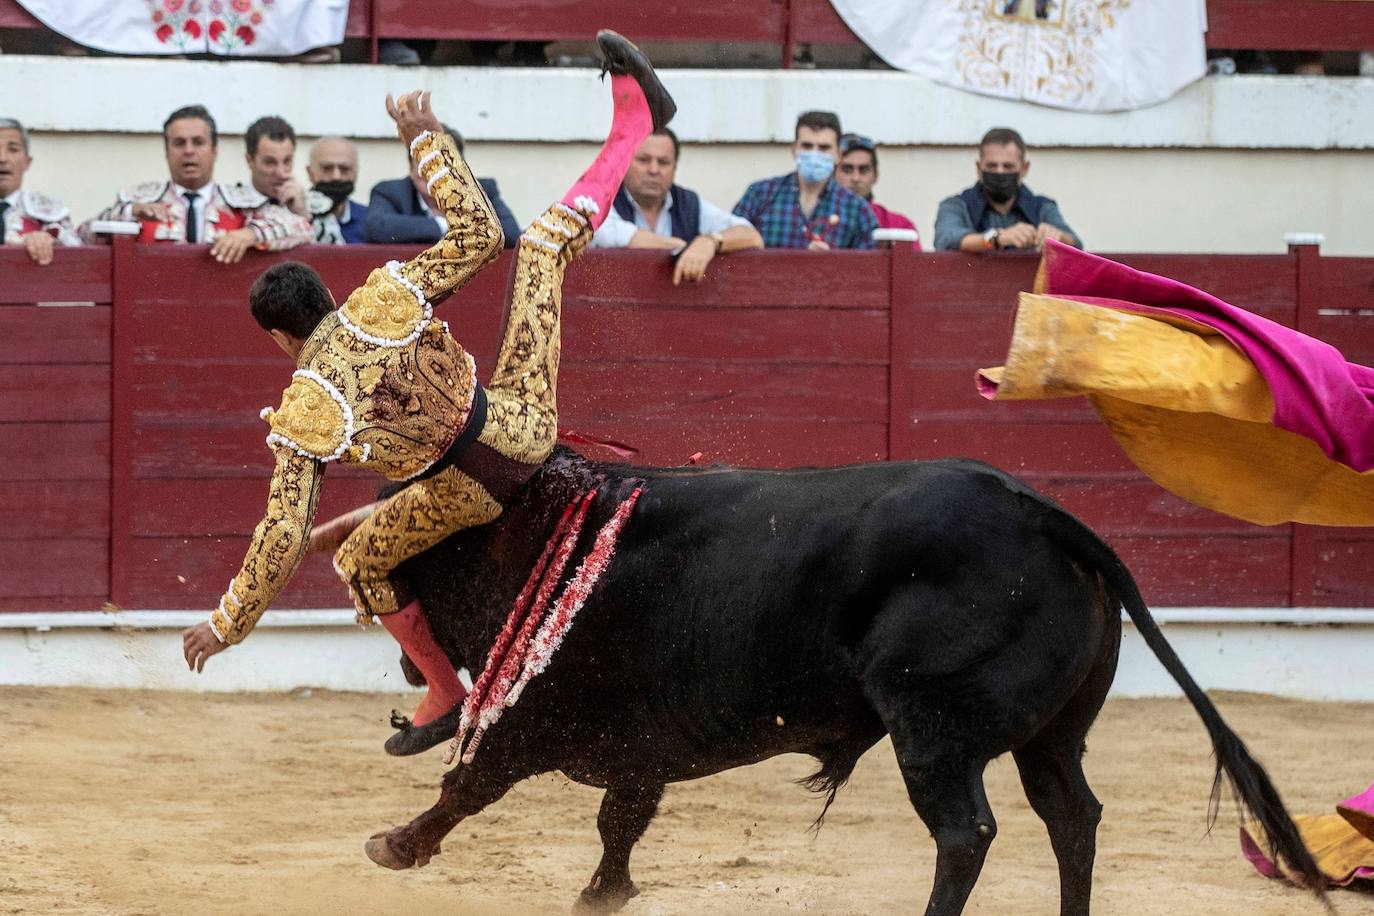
<point x="750" y="613"/>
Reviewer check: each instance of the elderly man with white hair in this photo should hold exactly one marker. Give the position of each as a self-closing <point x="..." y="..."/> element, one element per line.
<point x="28" y="218"/>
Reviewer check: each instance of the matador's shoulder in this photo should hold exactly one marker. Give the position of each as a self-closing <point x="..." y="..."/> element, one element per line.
<point x="314" y="420"/>
<point x="42" y="207"/>
<point x="242" y="196"/>
<point x="388" y="310"/>
<point x="146" y="192"/>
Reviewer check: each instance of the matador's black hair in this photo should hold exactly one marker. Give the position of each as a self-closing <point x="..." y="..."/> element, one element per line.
<point x="290" y="297"/>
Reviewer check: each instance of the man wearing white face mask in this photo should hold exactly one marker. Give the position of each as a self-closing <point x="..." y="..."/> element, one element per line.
<point x="807" y="208"/>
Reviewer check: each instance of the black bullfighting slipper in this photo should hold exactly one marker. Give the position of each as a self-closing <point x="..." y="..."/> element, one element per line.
<point x="620" y="56"/>
<point x="416" y="739"/>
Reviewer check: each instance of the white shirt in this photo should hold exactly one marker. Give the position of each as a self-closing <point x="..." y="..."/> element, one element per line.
<point x="616" y="232"/>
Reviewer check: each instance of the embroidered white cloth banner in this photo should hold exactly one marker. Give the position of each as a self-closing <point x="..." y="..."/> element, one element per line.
<point x="257" y="28"/>
<point x="1091" y="55"/>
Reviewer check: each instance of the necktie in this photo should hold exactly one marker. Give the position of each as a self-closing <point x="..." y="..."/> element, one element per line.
<point x="4" y="206"/>
<point x="192" y="218"/>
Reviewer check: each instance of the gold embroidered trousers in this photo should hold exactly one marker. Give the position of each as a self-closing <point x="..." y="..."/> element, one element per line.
<point x="521" y="423"/>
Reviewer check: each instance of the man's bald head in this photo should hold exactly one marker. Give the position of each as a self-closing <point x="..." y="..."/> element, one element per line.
<point x="332" y="159"/>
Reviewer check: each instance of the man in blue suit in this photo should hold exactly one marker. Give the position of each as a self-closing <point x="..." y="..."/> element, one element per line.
<point x="401" y="210"/>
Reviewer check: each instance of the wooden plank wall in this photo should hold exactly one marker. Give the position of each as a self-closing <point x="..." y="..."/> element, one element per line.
<point x="962" y="321"/>
<point x="55" y="426"/>
<point x="747" y="370"/>
<point x="1335" y="566"/>
<point x="781" y="358"/>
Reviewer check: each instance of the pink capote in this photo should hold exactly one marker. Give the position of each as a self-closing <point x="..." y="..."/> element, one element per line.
<point x="1317" y="392"/>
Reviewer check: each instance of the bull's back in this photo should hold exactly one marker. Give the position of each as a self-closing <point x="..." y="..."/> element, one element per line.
<point x="735" y="612"/>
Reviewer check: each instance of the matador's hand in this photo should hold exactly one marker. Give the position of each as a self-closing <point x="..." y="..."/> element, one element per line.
<point x="198" y="644"/>
<point x="413" y="115"/>
<point x="229" y="248"/>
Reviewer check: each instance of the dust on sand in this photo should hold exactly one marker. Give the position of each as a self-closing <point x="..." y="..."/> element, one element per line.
<point x="131" y="802"/>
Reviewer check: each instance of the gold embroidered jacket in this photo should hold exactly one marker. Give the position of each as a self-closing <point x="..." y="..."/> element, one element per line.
<point x="379" y="383"/>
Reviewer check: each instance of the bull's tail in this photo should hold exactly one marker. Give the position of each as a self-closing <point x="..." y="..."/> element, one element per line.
<point x="1249" y="782"/>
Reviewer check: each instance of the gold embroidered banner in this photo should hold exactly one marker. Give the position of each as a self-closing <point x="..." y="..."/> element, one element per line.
<point x="1092" y="55"/>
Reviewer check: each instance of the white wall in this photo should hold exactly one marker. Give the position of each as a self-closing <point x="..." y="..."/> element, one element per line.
<point x="1230" y="165"/>
<point x="1307" y="653"/>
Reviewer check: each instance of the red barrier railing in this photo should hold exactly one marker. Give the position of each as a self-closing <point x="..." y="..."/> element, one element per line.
<point x="1314" y="25"/>
<point x="137" y="466"/>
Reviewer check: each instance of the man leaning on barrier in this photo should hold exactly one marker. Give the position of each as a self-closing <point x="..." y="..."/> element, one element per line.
<point x="27" y="218"/>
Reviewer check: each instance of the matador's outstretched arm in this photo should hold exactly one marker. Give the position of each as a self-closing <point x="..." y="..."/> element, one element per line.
<point x="474" y="236"/>
<point x="278" y="545"/>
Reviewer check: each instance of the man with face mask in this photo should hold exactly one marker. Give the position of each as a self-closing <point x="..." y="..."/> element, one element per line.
<point x="1000" y="212"/>
<point x="808" y="208"/>
<point x="333" y="170"/>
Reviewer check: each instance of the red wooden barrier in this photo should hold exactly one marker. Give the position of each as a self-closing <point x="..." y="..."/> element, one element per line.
<point x="144" y="467"/>
<point x="578" y="20"/>
<point x="55" y="425"/>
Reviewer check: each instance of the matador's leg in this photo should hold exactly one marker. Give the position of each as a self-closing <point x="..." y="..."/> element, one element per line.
<point x="522" y="419"/>
<point x="413" y="520"/>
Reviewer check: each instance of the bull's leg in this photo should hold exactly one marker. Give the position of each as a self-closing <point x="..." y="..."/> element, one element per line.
<point x="1052" y="774"/>
<point x="625" y="815"/>
<point x="1051" y="766"/>
<point x="466" y="791"/>
<point x="945" y="784"/>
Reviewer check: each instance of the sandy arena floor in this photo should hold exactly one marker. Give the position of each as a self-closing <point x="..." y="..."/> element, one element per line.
<point x="165" y="803"/>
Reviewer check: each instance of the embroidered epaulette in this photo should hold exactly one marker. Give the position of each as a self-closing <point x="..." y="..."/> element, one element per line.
<point x="318" y="204"/>
<point x="146" y="193"/>
<point x="314" y="419"/>
<point x="388" y="310"/>
<point x="242" y="196"/>
<point x="42" y="207"/>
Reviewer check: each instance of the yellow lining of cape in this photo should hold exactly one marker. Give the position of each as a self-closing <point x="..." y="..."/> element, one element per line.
<point x="1188" y="408"/>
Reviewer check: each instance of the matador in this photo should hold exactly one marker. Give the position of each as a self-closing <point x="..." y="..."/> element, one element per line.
<point x="381" y="383"/>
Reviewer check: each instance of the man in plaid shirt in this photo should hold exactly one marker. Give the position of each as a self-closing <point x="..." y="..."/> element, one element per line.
<point x="807" y="208"/>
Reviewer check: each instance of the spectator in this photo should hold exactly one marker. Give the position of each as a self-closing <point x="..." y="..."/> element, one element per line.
<point x="333" y="170"/>
<point x="401" y="210"/>
<point x="807" y="208"/>
<point x="999" y="211"/>
<point x="192" y="208"/>
<point x="270" y="152"/>
<point x="26" y="217"/>
<point x="652" y="211"/>
<point x="859" y="173"/>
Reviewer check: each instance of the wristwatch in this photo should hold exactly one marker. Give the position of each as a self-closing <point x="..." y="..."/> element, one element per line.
<point x="990" y="238"/>
<point x="719" y="240"/>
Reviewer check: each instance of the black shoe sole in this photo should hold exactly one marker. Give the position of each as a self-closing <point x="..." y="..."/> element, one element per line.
<point x="620" y="56"/>
<point x="416" y="739"/>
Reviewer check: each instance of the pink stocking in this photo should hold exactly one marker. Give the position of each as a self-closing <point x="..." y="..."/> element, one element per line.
<point x="410" y="628"/>
<point x="631" y="123"/>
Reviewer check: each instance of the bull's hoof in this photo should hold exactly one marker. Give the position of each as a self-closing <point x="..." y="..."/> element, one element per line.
<point x="605" y="896"/>
<point x="416" y="739"/>
<point x="380" y="850"/>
